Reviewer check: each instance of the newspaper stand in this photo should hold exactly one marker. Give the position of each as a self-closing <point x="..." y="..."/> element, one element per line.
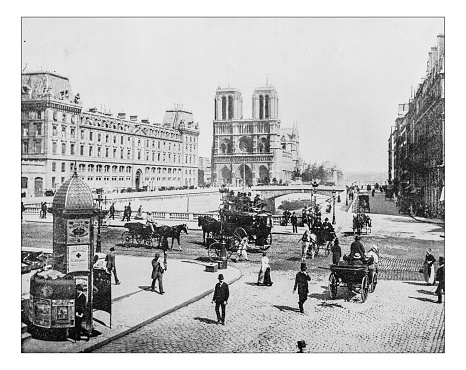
<point x="51" y="304"/>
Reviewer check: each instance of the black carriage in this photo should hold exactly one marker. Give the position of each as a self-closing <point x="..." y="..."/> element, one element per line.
<point x="363" y="204"/>
<point x="229" y="238"/>
<point x="362" y="223"/>
<point x="355" y="277"/>
<point x="138" y="233"/>
<point x="257" y="225"/>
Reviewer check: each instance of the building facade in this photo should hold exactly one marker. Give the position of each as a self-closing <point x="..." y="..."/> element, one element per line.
<point x="205" y="170"/>
<point x="256" y="150"/>
<point x="111" y="153"/>
<point x="417" y="141"/>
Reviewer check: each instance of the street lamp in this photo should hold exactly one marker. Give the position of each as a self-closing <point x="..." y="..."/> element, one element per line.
<point x="333" y="194"/>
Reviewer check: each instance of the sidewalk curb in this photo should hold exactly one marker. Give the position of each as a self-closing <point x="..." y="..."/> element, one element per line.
<point x="156" y="317"/>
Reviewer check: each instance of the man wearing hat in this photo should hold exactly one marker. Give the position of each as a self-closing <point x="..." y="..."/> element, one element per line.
<point x="111" y="266"/>
<point x="357" y="252"/>
<point x="300" y="282"/>
<point x="221" y="295"/>
<point x="441" y="279"/>
<point x="157" y="273"/>
<point x="80" y="308"/>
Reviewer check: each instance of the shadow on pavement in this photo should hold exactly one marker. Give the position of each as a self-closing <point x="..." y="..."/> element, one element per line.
<point x="205" y="320"/>
<point x="422" y="291"/>
<point x="144" y="287"/>
<point x="294" y="259"/>
<point x="203" y="259"/>
<point x="286" y="308"/>
<point x="325" y="304"/>
<point x="423" y="299"/>
<point x="416" y="283"/>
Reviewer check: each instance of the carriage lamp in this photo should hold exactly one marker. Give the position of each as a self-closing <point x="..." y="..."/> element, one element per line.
<point x="333" y="194"/>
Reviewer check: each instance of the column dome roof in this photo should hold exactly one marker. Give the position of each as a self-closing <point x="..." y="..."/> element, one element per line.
<point x="73" y="197"/>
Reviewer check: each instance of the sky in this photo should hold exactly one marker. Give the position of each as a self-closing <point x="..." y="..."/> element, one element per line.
<point x="339" y="79"/>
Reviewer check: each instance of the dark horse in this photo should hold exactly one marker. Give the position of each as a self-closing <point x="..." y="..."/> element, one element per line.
<point x="209" y="225"/>
<point x="173" y="232"/>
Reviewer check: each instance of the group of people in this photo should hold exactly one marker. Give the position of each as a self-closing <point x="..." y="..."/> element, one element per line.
<point x="431" y="275"/>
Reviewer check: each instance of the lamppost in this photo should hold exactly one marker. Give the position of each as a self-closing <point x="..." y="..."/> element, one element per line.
<point x="333" y="194"/>
<point x="314" y="191"/>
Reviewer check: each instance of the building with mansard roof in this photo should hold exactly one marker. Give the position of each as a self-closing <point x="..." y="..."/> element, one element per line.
<point x="255" y="150"/>
<point x="111" y="153"/>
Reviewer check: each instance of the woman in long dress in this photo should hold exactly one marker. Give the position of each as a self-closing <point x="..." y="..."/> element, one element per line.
<point x="428" y="270"/>
<point x="264" y="266"/>
<point x="305" y="239"/>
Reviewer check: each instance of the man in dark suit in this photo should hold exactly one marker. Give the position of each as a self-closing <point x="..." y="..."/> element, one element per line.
<point x="111" y="265"/>
<point x="221" y="295"/>
<point x="80" y="308"/>
<point x="294" y="222"/>
<point x="129" y="211"/>
<point x="357" y="250"/>
<point x="301" y="280"/>
<point x="157" y="273"/>
<point x="441" y="279"/>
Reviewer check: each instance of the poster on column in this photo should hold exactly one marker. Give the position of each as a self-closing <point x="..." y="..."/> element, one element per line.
<point x="78" y="258"/>
<point x="78" y="231"/>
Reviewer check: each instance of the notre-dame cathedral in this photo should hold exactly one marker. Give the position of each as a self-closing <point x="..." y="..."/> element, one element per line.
<point x="254" y="150"/>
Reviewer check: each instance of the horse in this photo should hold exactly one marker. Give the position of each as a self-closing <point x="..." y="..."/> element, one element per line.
<point x="209" y="225"/>
<point x="173" y="232"/>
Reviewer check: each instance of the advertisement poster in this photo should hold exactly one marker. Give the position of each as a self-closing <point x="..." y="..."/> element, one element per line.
<point x="102" y="291"/>
<point x="78" y="231"/>
<point x="78" y="258"/>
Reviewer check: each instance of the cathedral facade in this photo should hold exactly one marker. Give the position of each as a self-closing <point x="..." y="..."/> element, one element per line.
<point x="256" y="150"/>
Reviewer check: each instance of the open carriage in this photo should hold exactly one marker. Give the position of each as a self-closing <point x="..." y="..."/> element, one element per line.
<point x="360" y="279"/>
<point x="363" y="204"/>
<point x="362" y="223"/>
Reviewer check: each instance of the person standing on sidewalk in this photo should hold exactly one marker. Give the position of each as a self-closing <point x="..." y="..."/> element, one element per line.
<point x="294" y="222"/>
<point x="301" y="280"/>
<point x="112" y="211"/>
<point x="129" y="211"/>
<point x="157" y="273"/>
<point x="440" y="277"/>
<point x="336" y="252"/>
<point x="221" y="295"/>
<point x="80" y="308"/>
<point x="261" y="278"/>
<point x="111" y="266"/>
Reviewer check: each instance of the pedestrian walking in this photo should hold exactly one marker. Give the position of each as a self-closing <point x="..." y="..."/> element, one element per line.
<point x="221" y="295"/>
<point x="125" y="213"/>
<point x="112" y="211"/>
<point x="301" y="282"/>
<point x="287" y="215"/>
<point x="305" y="240"/>
<point x="294" y="222"/>
<point x="336" y="252"/>
<point x="43" y="210"/>
<point x="129" y="211"/>
<point x="242" y="249"/>
<point x="111" y="265"/>
<point x="441" y="279"/>
<point x="158" y="270"/>
<point x="264" y="272"/>
<point x="428" y="269"/>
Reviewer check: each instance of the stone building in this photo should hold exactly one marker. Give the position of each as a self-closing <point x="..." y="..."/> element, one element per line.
<point x="417" y="141"/>
<point x="206" y="170"/>
<point x="111" y="153"/>
<point x="255" y="150"/>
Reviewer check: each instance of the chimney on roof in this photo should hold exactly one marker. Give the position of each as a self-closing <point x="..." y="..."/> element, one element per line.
<point x="133" y="118"/>
<point x="93" y="110"/>
<point x="122" y="115"/>
<point x="145" y="120"/>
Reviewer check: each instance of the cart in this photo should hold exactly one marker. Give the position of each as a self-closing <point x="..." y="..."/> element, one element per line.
<point x="362" y="223"/>
<point x="138" y="233"/>
<point x="354" y="277"/>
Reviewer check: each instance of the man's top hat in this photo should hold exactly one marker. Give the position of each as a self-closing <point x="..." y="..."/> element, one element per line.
<point x="220" y="276"/>
<point x="112" y="248"/>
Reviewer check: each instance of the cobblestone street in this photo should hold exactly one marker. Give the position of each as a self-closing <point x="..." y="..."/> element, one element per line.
<point x="266" y="319"/>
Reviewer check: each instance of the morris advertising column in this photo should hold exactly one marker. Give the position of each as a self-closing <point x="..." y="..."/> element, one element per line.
<point x="73" y="235"/>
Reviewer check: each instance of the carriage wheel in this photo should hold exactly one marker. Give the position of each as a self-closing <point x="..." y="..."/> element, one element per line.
<point x="139" y="239"/>
<point x="239" y="233"/>
<point x="126" y="237"/>
<point x="364" y="288"/>
<point x="373" y="282"/>
<point x="267" y="242"/>
<point x="232" y="247"/>
<point x="332" y="286"/>
<point x="148" y="242"/>
<point x="214" y="251"/>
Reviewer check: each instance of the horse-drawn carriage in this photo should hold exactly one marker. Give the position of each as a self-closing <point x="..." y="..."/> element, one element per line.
<point x="363" y="204"/>
<point x="138" y="233"/>
<point x="360" y="279"/>
<point x="362" y="223"/>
